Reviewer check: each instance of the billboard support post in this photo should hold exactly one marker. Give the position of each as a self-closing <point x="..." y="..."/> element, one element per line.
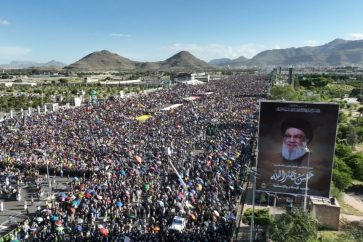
<point x="253" y="208"/>
<point x="307" y="179"/>
<point x="254" y="174"/>
<point x="275" y="201"/>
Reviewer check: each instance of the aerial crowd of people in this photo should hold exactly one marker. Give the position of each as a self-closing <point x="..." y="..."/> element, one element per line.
<point x="135" y="164"/>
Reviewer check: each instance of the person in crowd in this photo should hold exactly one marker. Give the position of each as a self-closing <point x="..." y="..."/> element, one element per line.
<point x="130" y="178"/>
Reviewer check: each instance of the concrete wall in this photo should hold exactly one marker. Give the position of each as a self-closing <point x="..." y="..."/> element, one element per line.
<point x="327" y="215"/>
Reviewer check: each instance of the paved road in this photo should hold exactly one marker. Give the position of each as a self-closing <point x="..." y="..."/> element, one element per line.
<point x="354" y="201"/>
<point x="357" y="203"/>
<point x="14" y="211"/>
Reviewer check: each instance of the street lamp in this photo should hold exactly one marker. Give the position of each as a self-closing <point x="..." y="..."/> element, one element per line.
<point x="185" y="187"/>
<point x="168" y="153"/>
<point x="307" y="178"/>
<point x="45" y="157"/>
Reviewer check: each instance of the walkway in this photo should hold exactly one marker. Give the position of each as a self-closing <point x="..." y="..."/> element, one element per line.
<point x="14" y="212"/>
<point x="356" y="203"/>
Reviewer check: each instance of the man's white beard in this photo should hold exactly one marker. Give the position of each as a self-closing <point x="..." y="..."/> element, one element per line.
<point x="294" y="154"/>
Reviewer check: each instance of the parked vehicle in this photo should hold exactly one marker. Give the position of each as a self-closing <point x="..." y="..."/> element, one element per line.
<point x="178" y="224"/>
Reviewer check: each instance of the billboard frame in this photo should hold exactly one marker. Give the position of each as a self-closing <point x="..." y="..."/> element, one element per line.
<point x="315" y="113"/>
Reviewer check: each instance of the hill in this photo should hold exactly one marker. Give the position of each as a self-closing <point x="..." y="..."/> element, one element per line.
<point x="184" y="61"/>
<point x="338" y="52"/>
<point x="225" y="62"/>
<point x="220" y="62"/>
<point x="102" y="61"/>
<point x="107" y="61"/>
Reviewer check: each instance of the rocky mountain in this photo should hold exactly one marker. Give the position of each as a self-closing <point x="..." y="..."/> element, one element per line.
<point x="107" y="61"/>
<point x="220" y="62"/>
<point x="338" y="52"/>
<point x="184" y="60"/>
<point x="54" y="64"/>
<point x="225" y="62"/>
<point x="240" y="60"/>
<point x="102" y="61"/>
<point x="29" y="64"/>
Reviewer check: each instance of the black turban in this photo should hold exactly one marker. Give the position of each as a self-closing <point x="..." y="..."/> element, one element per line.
<point x="298" y="123"/>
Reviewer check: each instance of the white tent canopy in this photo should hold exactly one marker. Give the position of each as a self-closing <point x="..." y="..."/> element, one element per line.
<point x="171" y="107"/>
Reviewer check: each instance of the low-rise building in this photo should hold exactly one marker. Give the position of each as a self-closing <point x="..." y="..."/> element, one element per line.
<point x="325" y="211"/>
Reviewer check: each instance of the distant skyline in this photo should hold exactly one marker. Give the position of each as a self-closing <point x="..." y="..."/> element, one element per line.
<point x="154" y="30"/>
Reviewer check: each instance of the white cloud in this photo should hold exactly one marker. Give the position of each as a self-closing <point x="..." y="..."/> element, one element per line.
<point x="121" y="35"/>
<point x="215" y="51"/>
<point x="10" y="53"/>
<point x="356" y="36"/>
<point x="311" y="42"/>
<point x="3" y="22"/>
<point x="276" y="46"/>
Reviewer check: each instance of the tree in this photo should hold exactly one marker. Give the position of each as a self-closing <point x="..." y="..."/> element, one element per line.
<point x="359" y="131"/>
<point x="355" y="92"/>
<point x="284" y="92"/>
<point x="63" y="80"/>
<point x="352" y="138"/>
<point x="360" y="98"/>
<point x="352" y="232"/>
<point x="294" y="226"/>
<point x="343" y="129"/>
<point x="305" y="82"/>
<point x="342" y="117"/>
<point x="355" y="162"/>
<point x="5" y="76"/>
<point x="360" y="111"/>
<point x="335" y="192"/>
<point x="321" y="82"/>
<point x="342" y="150"/>
<point x="262" y="217"/>
<point x="310" y="82"/>
<point x="342" y="174"/>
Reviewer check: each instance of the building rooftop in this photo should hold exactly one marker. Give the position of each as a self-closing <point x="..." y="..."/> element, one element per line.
<point x="324" y="201"/>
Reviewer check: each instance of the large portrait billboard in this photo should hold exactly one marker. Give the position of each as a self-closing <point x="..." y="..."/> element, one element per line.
<point x="296" y="142"/>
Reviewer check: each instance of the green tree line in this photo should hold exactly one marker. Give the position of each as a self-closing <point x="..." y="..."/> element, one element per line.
<point x="348" y="164"/>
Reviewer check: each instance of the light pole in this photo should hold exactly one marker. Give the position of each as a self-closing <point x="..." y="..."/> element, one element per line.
<point x="307" y="179"/>
<point x="168" y="153"/>
<point x="185" y="187"/>
<point x="45" y="157"/>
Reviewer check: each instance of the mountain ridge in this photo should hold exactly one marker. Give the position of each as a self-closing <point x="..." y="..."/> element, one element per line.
<point x="107" y="61"/>
<point x="32" y="64"/>
<point x="338" y="52"/>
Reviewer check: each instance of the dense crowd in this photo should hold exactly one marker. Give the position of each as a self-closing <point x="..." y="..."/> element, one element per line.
<point x="130" y="178"/>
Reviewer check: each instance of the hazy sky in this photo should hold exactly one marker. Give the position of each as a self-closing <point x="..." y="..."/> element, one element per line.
<point x="154" y="30"/>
